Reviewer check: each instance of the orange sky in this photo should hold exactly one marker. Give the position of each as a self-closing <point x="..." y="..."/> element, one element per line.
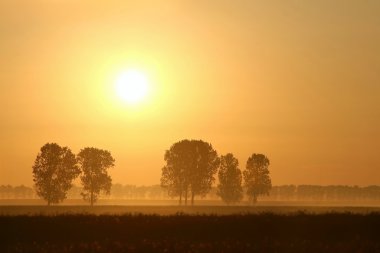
<point x="296" y="80"/>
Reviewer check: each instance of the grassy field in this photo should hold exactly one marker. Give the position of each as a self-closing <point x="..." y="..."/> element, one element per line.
<point x="266" y="232"/>
<point x="189" y="229"/>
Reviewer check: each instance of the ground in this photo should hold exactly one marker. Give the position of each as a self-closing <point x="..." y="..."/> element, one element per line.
<point x="189" y="229"/>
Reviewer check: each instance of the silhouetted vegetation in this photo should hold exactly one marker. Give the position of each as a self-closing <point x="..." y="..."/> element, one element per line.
<point x="120" y="191"/>
<point x="288" y="193"/>
<point x="256" y="177"/>
<point x="268" y="232"/>
<point x="16" y="192"/>
<point x="56" y="167"/>
<point x="325" y="193"/>
<point x="189" y="170"/>
<point x="53" y="172"/>
<point x="94" y="164"/>
<point x="229" y="175"/>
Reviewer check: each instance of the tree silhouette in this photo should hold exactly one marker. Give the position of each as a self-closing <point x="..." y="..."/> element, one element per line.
<point x="229" y="187"/>
<point x="178" y="163"/>
<point x="256" y="176"/>
<point x="190" y="168"/>
<point x="205" y="165"/>
<point x="94" y="164"/>
<point x="53" y="172"/>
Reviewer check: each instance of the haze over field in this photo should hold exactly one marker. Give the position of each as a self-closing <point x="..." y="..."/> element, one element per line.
<point x="298" y="81"/>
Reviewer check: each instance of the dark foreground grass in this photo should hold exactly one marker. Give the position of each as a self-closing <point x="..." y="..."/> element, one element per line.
<point x="174" y="209"/>
<point x="331" y="232"/>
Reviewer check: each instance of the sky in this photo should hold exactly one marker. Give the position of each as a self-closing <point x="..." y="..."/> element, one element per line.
<point x="298" y="81"/>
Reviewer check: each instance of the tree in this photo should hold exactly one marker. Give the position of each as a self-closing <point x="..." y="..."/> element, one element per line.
<point x="229" y="187"/>
<point x="190" y="168"/>
<point x="256" y="176"/>
<point x="94" y="164"/>
<point x="174" y="178"/>
<point x="53" y="172"/>
<point x="205" y="164"/>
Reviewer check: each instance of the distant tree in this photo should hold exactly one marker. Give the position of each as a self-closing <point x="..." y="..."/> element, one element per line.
<point x="22" y="192"/>
<point x="283" y="192"/>
<point x="155" y="192"/>
<point x="53" y="172"/>
<point x="117" y="191"/>
<point x="311" y="192"/>
<point x="229" y="187"/>
<point x="140" y="192"/>
<point x="94" y="164"/>
<point x="6" y="192"/>
<point x="256" y="177"/>
<point x="190" y="168"/>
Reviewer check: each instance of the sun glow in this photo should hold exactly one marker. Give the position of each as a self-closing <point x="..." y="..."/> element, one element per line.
<point x="132" y="86"/>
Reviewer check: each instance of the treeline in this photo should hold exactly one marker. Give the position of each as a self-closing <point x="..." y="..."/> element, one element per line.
<point x="324" y="193"/>
<point x="17" y="192"/>
<point x="118" y="191"/>
<point x="277" y="193"/>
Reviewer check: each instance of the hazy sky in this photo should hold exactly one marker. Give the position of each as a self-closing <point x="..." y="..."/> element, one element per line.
<point x="296" y="80"/>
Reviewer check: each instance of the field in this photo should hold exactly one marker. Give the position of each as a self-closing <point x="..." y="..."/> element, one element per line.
<point x="191" y="229"/>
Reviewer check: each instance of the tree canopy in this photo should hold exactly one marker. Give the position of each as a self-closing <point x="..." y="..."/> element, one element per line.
<point x="229" y="175"/>
<point x="53" y="172"/>
<point x="94" y="164"/>
<point x="256" y="176"/>
<point x="190" y="168"/>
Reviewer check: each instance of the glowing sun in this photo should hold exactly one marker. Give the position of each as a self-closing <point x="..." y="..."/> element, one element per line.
<point x="132" y="86"/>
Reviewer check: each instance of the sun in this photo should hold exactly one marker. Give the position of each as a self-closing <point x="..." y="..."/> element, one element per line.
<point x="132" y="86"/>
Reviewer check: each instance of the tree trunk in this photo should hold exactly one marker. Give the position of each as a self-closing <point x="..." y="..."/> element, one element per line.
<point x="180" y="198"/>
<point x="192" y="198"/>
<point x="49" y="194"/>
<point x="254" y="199"/>
<point x="91" y="190"/>
<point x="186" y="197"/>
